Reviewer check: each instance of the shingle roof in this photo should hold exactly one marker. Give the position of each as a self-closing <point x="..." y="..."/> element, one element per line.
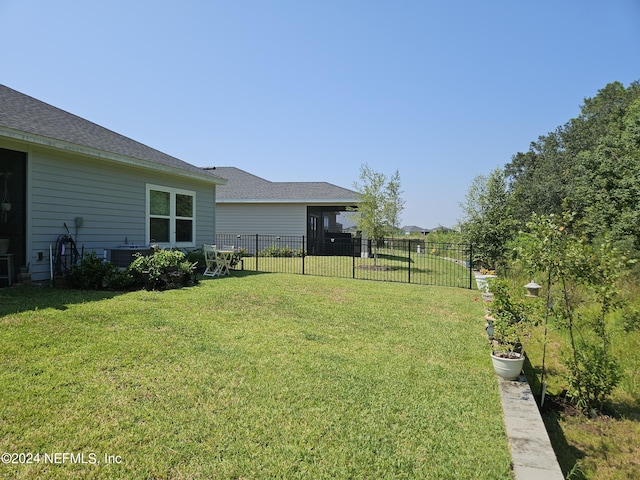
<point x="243" y="186"/>
<point x="22" y="113"/>
<point x="414" y="228"/>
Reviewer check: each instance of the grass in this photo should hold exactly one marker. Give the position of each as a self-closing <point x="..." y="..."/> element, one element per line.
<point x="393" y="266"/>
<point x="251" y="376"/>
<point x="603" y="447"/>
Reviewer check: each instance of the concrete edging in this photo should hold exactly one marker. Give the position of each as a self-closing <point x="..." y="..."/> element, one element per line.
<point x="532" y="455"/>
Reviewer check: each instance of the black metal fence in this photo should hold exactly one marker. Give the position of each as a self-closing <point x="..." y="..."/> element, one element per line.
<point x="391" y="260"/>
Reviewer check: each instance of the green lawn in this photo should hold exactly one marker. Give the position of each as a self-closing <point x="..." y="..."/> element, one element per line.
<point x="391" y="266"/>
<point x="604" y="447"/>
<point x="251" y="376"/>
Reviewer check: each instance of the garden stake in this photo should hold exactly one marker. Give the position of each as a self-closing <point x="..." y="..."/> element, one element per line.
<point x="543" y="387"/>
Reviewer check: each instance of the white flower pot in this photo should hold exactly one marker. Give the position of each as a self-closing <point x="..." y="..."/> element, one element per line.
<point x="482" y="282"/>
<point x="507" y="368"/>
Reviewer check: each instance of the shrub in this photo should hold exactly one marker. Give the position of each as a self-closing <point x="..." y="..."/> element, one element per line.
<point x="95" y="273"/>
<point x="196" y="257"/>
<point x="274" y="250"/>
<point x="165" y="269"/>
<point x="593" y="374"/>
<point x="631" y="320"/>
<point x="237" y="257"/>
<point x="514" y="320"/>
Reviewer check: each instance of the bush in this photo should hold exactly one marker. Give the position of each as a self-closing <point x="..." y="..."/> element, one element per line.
<point x="237" y="257"/>
<point x="95" y="273"/>
<point x="277" y="251"/>
<point x="165" y="269"/>
<point x="631" y="319"/>
<point x="196" y="257"/>
<point x="593" y="374"/>
<point x="514" y="320"/>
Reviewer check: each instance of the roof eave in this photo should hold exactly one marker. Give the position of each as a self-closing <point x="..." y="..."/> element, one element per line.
<point x="61" y="145"/>
<point x="323" y="201"/>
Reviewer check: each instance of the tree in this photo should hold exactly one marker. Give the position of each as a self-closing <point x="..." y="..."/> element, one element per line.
<point x="540" y="179"/>
<point x="609" y="192"/>
<point x="394" y="203"/>
<point x="380" y="206"/>
<point x="487" y="222"/>
<point x="591" y="164"/>
<point x="551" y="246"/>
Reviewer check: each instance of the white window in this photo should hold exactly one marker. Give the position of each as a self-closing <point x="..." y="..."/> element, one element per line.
<point x="171" y="217"/>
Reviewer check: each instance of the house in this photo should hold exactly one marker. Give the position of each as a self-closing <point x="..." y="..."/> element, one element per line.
<point x="408" y="230"/>
<point x="249" y="205"/>
<point x="68" y="176"/>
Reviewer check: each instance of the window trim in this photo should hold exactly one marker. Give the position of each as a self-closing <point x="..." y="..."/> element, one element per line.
<point x="172" y="215"/>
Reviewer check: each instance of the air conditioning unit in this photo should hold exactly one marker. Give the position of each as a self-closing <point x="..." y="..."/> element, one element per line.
<point x="123" y="255"/>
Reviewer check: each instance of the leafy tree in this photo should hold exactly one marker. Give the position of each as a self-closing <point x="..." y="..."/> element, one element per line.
<point x="592" y="163"/>
<point x="380" y="206"/>
<point x="394" y="203"/>
<point x="487" y="223"/>
<point x="576" y="194"/>
<point x="609" y="192"/>
<point x="538" y="179"/>
<point x="551" y="245"/>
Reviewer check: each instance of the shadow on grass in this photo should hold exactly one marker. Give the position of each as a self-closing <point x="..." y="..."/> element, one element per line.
<point x="21" y="298"/>
<point x="568" y="456"/>
<point x="234" y="274"/>
<point x="394" y="258"/>
<point x="622" y="409"/>
<point x="557" y="408"/>
<point x="629" y="410"/>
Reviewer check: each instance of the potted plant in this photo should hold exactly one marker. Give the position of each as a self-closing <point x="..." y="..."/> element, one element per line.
<point x="513" y="325"/>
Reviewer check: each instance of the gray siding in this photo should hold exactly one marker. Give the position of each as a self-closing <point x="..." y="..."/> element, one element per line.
<point x="261" y="218"/>
<point x="109" y="197"/>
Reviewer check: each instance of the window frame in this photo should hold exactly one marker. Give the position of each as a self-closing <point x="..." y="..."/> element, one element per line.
<point x="173" y="217"/>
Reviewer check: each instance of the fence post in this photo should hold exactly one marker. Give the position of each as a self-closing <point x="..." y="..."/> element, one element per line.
<point x="409" y="261"/>
<point x="353" y="255"/>
<point x="303" y="254"/>
<point x="470" y="266"/>
<point x="256" y="252"/>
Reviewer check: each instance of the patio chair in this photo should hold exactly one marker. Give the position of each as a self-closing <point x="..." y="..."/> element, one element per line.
<point x="210" y="260"/>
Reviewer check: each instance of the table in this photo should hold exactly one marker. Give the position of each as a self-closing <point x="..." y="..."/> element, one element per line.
<point x="223" y="262"/>
<point x="8" y="258"/>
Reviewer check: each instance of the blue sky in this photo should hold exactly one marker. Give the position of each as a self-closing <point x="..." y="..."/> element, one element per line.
<point x="295" y="90"/>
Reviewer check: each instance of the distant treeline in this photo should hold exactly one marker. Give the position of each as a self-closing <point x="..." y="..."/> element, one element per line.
<point x="590" y="166"/>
